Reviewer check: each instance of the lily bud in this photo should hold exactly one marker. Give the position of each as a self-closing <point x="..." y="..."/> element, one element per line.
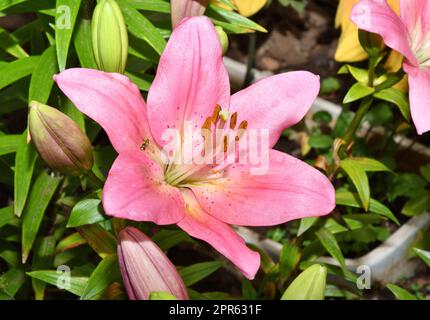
<point x="59" y="140"/>
<point x="309" y="285"/>
<point x="223" y="38"/>
<point x="371" y="43"/>
<point x="145" y="268"/>
<point x="109" y="36"/>
<point x="186" y="8"/>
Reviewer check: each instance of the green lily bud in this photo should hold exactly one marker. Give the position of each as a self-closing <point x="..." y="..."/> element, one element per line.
<point x="371" y="43"/>
<point x="309" y="285"/>
<point x="59" y="140"/>
<point x="223" y="38"/>
<point x="109" y="36"/>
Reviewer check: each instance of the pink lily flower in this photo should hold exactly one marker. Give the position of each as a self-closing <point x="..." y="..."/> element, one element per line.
<point x="408" y="34"/>
<point x="191" y="86"/>
<point x="186" y="8"/>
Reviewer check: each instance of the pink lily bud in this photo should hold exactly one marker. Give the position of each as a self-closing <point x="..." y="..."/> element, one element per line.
<point x="145" y="268"/>
<point x="186" y="8"/>
<point x="59" y="140"/>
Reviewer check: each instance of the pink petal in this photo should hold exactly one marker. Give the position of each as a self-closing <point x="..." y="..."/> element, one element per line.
<point x="277" y="102"/>
<point x="376" y="16"/>
<point x="111" y="100"/>
<point x="135" y="190"/>
<point x="419" y="96"/>
<point x="219" y="235"/>
<point x="191" y="78"/>
<point x="290" y="190"/>
<point x="416" y="16"/>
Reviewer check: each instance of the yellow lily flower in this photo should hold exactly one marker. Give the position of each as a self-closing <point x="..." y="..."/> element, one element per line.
<point x="246" y="8"/>
<point x="349" y="48"/>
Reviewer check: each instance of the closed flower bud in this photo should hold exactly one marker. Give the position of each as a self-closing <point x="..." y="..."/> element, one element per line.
<point x="223" y="38"/>
<point x="59" y="140"/>
<point x="309" y="285"/>
<point x="145" y="269"/>
<point x="109" y="36"/>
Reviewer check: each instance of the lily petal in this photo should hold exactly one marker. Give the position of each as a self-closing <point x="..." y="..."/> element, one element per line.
<point x="111" y="100"/>
<point x="416" y="16"/>
<point x="135" y="190"/>
<point x="379" y="18"/>
<point x="191" y="78"/>
<point x="219" y="235"/>
<point x="277" y="102"/>
<point x="290" y="190"/>
<point x="419" y="96"/>
<point x="186" y="8"/>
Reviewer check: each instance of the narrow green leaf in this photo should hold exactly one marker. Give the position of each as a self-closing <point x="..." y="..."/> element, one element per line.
<point x="424" y="255"/>
<point x="150" y="5"/>
<point x="417" y="205"/>
<point x="400" y="293"/>
<point x="357" y="92"/>
<point x="369" y="164"/>
<point x="161" y="295"/>
<point x="7" y="217"/>
<point x="103" y="275"/>
<point x="11" y="45"/>
<point x="11" y="282"/>
<point x="361" y="75"/>
<point x="18" y="69"/>
<point x="25" y="160"/>
<point x="10" y="254"/>
<point x="398" y="98"/>
<point x="9" y="143"/>
<point x="43" y="256"/>
<point x="359" y="178"/>
<point x="309" y="285"/>
<point x="60" y="279"/>
<point x="199" y="271"/>
<point x="288" y="260"/>
<point x="42" y="79"/>
<point x="83" y="44"/>
<point x="305" y="224"/>
<point x="87" y="211"/>
<point x="141" y="27"/>
<point x="4" y="4"/>
<point x="72" y="241"/>
<point x="103" y="242"/>
<point x="67" y="12"/>
<point x="350" y="199"/>
<point x="38" y="200"/>
<point x="329" y="242"/>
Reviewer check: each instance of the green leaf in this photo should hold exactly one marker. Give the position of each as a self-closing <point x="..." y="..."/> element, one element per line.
<point x="87" y="211"/>
<point x="141" y="27"/>
<point x="9" y="143"/>
<point x="18" y="69"/>
<point x="361" y="75"/>
<point x="288" y="260"/>
<point x="161" y="295"/>
<point x="424" y="255"/>
<point x="320" y="141"/>
<point x="358" y="91"/>
<point x="72" y="241"/>
<point x="379" y="115"/>
<point x="359" y="178"/>
<point x="43" y="257"/>
<point x="4" y="4"/>
<point x="398" y="98"/>
<point x="417" y="205"/>
<point x="83" y="44"/>
<point x="38" y="200"/>
<point x="322" y="117"/>
<point x="42" y="79"/>
<point x="150" y="5"/>
<point x="368" y="164"/>
<point x="11" y="45"/>
<point x="305" y="224"/>
<point x="7" y="217"/>
<point x="329" y="242"/>
<point x="309" y="285"/>
<point x="103" y="275"/>
<point x="408" y="185"/>
<point x="216" y="12"/>
<point x="400" y="293"/>
<point x="167" y="239"/>
<point x="199" y="271"/>
<point x="25" y="160"/>
<point x="61" y="279"/>
<point x="11" y="282"/>
<point x="425" y="172"/>
<point x="67" y="12"/>
<point x="103" y="242"/>
<point x="350" y="199"/>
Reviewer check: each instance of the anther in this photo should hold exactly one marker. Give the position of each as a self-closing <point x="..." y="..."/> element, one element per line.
<point x="225" y="144"/>
<point x="215" y="114"/>
<point x="233" y="120"/>
<point x="241" y="130"/>
<point x="206" y="125"/>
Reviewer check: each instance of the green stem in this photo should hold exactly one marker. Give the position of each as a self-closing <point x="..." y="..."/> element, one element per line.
<point x="356" y="121"/>
<point x="251" y="57"/>
<point x="372" y="66"/>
